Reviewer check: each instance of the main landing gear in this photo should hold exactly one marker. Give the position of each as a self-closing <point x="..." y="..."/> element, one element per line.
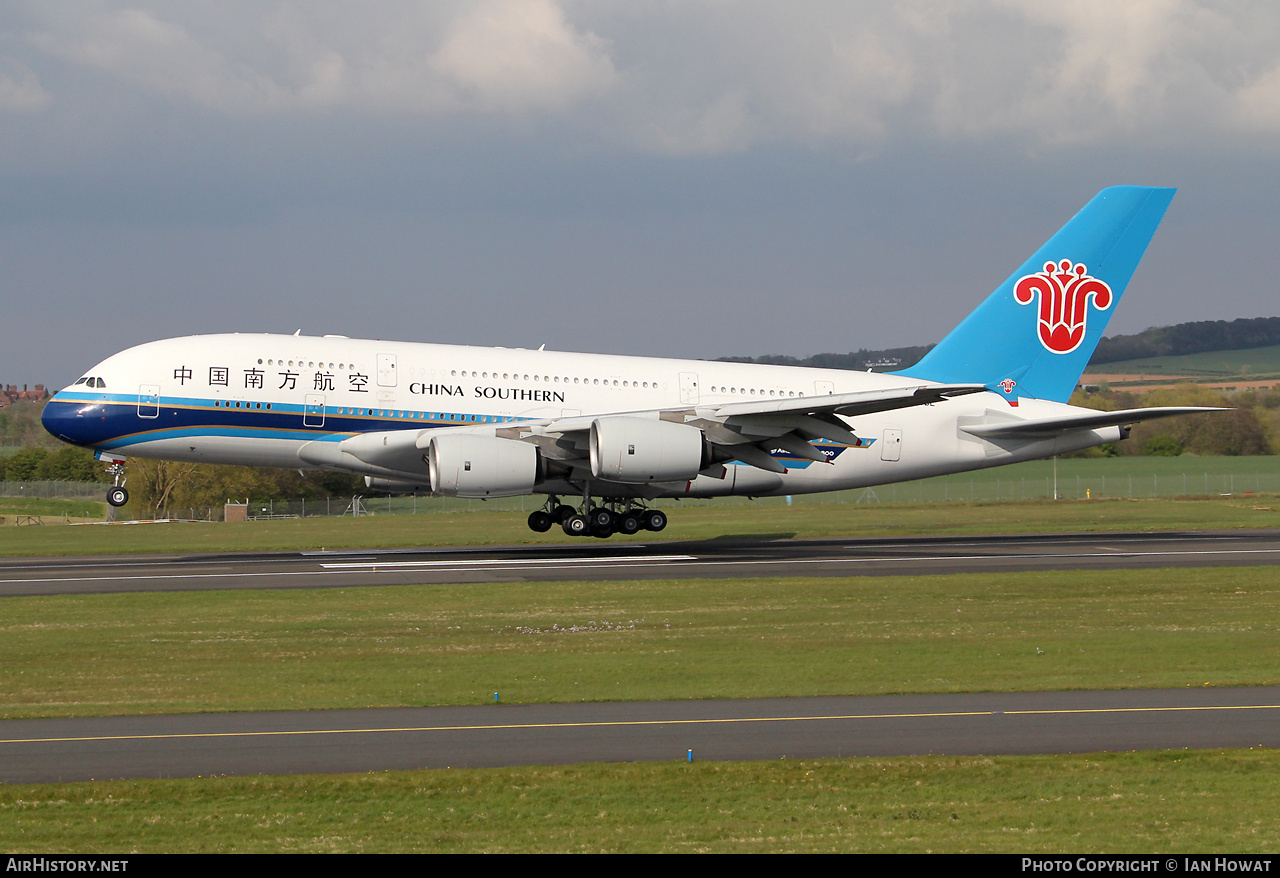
<point x="597" y="520"/>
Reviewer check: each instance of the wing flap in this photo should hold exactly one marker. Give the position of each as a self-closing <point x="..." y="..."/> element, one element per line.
<point x="848" y="404"/>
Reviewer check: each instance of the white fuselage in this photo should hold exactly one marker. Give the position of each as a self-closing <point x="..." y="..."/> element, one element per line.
<point x="261" y="399"/>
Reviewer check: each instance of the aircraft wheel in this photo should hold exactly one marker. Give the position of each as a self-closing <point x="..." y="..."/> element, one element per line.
<point x="655" y="520"/>
<point x="601" y="519"/>
<point x="576" y="525"/>
<point x="629" y="523"/>
<point x="117" y="497"/>
<point x="539" y="522"/>
<point x="562" y="513"/>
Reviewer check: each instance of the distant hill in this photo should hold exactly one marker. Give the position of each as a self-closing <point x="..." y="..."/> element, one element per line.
<point x="887" y="360"/>
<point x="1249" y="364"/>
<point x="1190" y="338"/>
<point x="1158" y="341"/>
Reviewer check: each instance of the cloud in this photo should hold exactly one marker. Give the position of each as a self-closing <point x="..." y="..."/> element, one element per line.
<point x="20" y="89"/>
<point x="522" y="55"/>
<point x="863" y="74"/>
<point x="501" y="55"/>
<point x="1091" y="71"/>
<point x="1257" y="106"/>
<point x="685" y="78"/>
<point x="161" y="56"/>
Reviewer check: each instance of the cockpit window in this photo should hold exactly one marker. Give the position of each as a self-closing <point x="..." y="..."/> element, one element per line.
<point x="100" y="383"/>
<point x="81" y="381"/>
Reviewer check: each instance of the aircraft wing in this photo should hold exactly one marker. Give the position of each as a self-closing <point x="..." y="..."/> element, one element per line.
<point x="747" y="431"/>
<point x="1045" y="427"/>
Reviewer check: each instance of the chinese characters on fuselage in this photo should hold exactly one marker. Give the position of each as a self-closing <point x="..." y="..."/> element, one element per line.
<point x="220" y="376"/>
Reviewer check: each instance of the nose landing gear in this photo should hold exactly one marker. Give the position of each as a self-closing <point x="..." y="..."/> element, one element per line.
<point x="117" y="496"/>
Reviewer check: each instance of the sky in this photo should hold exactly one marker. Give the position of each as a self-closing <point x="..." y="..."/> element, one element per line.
<point x="688" y="179"/>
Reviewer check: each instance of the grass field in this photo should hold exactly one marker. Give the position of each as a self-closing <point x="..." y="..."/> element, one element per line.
<point x="617" y="641"/>
<point x="438" y="519"/>
<point x="417" y="644"/>
<point x="50" y="511"/>
<point x="1169" y="803"/>
<point x="573" y="641"/>
<point x="1074" y="478"/>
<point x="689" y="521"/>
<point x="1251" y="364"/>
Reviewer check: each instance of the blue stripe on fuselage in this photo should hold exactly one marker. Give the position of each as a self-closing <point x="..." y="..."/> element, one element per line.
<point x="112" y="420"/>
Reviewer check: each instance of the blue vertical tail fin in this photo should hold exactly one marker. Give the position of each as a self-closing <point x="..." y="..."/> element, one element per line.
<point x="1035" y="334"/>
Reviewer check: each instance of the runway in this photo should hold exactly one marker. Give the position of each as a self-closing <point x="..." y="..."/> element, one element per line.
<point x="590" y="560"/>
<point x="44" y="751"/>
<point x="498" y="735"/>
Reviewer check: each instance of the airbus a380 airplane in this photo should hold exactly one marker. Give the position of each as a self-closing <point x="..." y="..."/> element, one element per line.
<point x="619" y="431"/>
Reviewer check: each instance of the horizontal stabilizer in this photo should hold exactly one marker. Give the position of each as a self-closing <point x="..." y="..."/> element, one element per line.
<point x="1043" y="427"/>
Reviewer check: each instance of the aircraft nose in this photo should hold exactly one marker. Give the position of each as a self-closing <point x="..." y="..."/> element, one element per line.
<point x="80" y="423"/>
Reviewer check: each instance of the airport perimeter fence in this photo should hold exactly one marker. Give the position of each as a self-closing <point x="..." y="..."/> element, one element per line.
<point x="55" y="490"/>
<point x="1139" y="478"/>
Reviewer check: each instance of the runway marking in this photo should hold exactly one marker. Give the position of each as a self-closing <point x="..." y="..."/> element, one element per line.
<point x="630" y="561"/>
<point x="389" y="567"/>
<point x="449" y="549"/>
<point x="576" y="562"/>
<point x="632" y="723"/>
<point x="1042" y="540"/>
<point x="1014" y="555"/>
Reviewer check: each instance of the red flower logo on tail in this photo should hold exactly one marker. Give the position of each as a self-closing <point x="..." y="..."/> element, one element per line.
<point x="1064" y="298"/>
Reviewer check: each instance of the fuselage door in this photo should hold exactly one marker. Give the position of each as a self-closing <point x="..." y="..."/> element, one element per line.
<point x="149" y="401"/>
<point x="313" y="410"/>
<point x="824" y="388"/>
<point x="689" y="387"/>
<point x="386" y="370"/>
<point x="891" y="445"/>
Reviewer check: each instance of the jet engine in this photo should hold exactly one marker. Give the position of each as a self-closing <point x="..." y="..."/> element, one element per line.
<point x="640" y="450"/>
<point x="466" y="465"/>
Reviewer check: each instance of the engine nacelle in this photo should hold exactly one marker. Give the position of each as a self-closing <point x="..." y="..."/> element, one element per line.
<point x="392" y="486"/>
<point x="465" y="465"/>
<point x="640" y="450"/>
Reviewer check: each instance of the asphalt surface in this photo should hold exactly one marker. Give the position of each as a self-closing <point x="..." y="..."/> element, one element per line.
<point x="42" y="751"/>
<point x="497" y="735"/>
<point x="591" y="560"/>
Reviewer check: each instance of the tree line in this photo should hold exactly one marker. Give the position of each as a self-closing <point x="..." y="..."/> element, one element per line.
<point x="1251" y="427"/>
<point x="888" y="359"/>
<point x="40" y="464"/>
<point x="1190" y="338"/>
<point x="1158" y="341"/>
